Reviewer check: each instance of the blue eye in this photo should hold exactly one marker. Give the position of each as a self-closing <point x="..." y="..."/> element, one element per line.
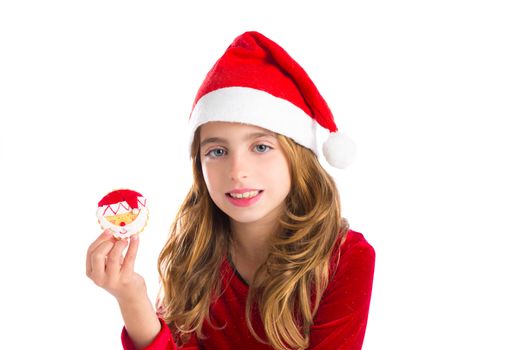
<point x="266" y="147"/>
<point x="214" y="155"/>
<point x="213" y="152"/>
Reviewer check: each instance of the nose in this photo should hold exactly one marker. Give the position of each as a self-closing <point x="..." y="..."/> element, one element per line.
<point x="238" y="167"/>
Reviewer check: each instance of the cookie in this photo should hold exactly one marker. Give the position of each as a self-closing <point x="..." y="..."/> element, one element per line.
<point x="124" y="212"/>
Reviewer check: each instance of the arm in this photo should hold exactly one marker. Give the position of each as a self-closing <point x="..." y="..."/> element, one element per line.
<point x="340" y="322"/>
<point x="163" y="340"/>
<point x="141" y="322"/>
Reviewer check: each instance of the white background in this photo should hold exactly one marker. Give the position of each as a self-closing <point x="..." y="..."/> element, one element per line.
<point x="95" y="96"/>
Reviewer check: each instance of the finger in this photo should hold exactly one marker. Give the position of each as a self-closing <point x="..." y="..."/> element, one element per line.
<point x="128" y="265"/>
<point x="98" y="259"/>
<point x="106" y="235"/>
<point x="114" y="256"/>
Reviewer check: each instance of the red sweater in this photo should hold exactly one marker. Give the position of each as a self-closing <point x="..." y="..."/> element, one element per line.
<point x="340" y="321"/>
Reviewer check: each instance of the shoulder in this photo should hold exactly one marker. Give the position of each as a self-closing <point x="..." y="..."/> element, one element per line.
<point x="343" y="309"/>
<point x="353" y="259"/>
<point x="354" y="242"/>
<point x="346" y="298"/>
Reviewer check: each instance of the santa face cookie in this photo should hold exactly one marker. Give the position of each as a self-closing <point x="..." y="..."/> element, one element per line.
<point x="124" y="212"/>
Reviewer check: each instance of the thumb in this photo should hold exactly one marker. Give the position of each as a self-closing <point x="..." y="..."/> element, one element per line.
<point x="128" y="265"/>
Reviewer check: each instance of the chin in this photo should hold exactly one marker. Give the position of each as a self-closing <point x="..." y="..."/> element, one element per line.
<point x="242" y="215"/>
<point x="244" y="218"/>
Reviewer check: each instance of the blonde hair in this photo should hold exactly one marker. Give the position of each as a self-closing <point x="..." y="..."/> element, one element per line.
<point x="297" y="266"/>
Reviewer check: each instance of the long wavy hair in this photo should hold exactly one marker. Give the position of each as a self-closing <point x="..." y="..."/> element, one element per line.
<point x="287" y="288"/>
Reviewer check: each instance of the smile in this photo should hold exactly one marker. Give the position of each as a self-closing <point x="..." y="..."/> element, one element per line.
<point x="251" y="198"/>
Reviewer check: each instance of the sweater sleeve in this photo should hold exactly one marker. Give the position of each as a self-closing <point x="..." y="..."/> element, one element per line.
<point x="342" y="316"/>
<point x="163" y="340"/>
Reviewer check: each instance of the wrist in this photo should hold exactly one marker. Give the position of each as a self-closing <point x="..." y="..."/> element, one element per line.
<point x="137" y="298"/>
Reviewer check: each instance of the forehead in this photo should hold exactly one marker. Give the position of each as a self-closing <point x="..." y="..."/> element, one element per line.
<point x="224" y="129"/>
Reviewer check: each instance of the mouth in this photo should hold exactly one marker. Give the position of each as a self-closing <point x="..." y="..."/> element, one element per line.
<point x="245" y="202"/>
<point x="254" y="194"/>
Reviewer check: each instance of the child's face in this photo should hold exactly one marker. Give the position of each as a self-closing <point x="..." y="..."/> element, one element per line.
<point x="241" y="161"/>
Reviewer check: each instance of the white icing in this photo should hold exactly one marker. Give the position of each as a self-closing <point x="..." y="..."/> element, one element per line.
<point x="128" y="230"/>
<point x="141" y="201"/>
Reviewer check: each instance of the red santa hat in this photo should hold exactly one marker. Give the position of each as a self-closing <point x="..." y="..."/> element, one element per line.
<point x="119" y="198"/>
<point x="256" y="82"/>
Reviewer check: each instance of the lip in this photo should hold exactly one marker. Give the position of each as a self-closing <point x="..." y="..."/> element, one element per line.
<point x="242" y="190"/>
<point x="244" y="202"/>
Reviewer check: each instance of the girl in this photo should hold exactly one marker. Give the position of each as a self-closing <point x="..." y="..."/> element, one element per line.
<point x="259" y="256"/>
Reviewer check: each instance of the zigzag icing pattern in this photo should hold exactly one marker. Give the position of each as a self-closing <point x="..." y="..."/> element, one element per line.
<point x="121" y="207"/>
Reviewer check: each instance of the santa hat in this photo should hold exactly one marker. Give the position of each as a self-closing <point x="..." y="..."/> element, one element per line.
<point x="256" y="82"/>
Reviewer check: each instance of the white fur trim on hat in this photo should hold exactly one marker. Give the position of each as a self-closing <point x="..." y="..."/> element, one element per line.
<point x="255" y="107"/>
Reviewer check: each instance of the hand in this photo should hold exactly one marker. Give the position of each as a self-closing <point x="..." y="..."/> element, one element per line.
<point x="106" y="266"/>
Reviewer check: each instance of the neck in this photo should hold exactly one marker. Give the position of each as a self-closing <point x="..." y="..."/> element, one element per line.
<point x="250" y="241"/>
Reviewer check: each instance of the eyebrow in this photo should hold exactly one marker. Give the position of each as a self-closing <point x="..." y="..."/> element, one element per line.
<point x="251" y="136"/>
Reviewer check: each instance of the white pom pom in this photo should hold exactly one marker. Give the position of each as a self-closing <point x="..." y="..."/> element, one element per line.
<point x="339" y="150"/>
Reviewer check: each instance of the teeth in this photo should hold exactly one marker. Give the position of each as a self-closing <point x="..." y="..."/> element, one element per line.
<point x="245" y="194"/>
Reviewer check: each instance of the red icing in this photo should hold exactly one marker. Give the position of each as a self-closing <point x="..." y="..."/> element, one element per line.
<point x="118" y="196"/>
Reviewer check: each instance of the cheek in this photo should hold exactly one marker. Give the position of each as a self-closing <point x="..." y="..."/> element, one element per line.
<point x="206" y="176"/>
<point x="278" y="175"/>
<point x="211" y="177"/>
